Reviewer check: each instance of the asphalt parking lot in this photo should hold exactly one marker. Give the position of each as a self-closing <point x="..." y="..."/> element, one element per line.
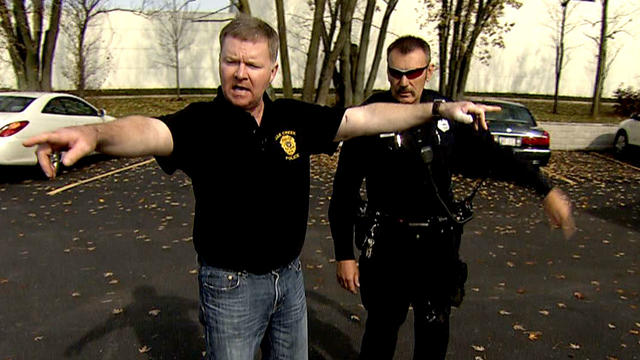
<point x="106" y="270"/>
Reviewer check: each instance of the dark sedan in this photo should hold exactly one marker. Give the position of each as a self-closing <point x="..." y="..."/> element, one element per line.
<point x="515" y="127"/>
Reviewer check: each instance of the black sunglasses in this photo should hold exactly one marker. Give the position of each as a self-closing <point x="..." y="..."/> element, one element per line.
<point x="410" y="74"/>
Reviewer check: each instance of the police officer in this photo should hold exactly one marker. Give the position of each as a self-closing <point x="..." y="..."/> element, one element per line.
<point x="410" y="252"/>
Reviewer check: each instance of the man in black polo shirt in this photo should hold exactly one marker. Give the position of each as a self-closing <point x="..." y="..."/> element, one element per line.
<point x="248" y="158"/>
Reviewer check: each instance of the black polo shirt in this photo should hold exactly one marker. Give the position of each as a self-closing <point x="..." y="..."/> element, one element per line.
<point x="251" y="183"/>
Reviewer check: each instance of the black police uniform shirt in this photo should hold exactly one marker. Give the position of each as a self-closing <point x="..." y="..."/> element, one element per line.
<point x="397" y="182"/>
<point x="250" y="182"/>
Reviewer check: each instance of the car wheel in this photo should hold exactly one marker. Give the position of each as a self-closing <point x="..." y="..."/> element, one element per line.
<point x="620" y="143"/>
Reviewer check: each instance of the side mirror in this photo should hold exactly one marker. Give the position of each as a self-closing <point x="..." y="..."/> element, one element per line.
<point x="102" y="112"/>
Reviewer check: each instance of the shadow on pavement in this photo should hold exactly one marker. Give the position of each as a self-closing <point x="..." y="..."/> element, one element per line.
<point x="18" y="174"/>
<point x="627" y="216"/>
<point x="326" y="341"/>
<point x="169" y="334"/>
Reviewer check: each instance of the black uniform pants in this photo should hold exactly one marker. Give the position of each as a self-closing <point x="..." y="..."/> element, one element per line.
<point x="408" y="266"/>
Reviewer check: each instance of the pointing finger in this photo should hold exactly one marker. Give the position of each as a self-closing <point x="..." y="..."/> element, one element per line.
<point x="43" y="153"/>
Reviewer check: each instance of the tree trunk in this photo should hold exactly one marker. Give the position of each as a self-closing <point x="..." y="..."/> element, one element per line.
<point x="343" y="40"/>
<point x="342" y="79"/>
<point x="243" y="6"/>
<point x="602" y="60"/>
<point x="287" y="87"/>
<point x="49" y="45"/>
<point x="471" y="32"/>
<point x="80" y="75"/>
<point x="31" y="57"/>
<point x="361" y="63"/>
<point x="456" y="44"/>
<point x="310" y="69"/>
<point x="560" y="55"/>
<point x="177" y="69"/>
<point x="377" y="57"/>
<point x="443" y="40"/>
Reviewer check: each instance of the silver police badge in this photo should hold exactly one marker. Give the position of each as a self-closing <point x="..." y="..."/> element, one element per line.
<point x="443" y="125"/>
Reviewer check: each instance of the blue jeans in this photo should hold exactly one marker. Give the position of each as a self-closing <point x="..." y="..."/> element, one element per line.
<point x="242" y="312"/>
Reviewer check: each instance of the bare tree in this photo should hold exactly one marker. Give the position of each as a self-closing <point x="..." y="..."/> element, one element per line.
<point x="287" y="87"/>
<point x="559" y="13"/>
<point x="311" y="66"/>
<point x="377" y="56"/>
<point x="31" y="47"/>
<point x="334" y="33"/>
<point x="345" y="9"/>
<point x="610" y="27"/>
<point x="466" y="28"/>
<point x="89" y="57"/>
<point x="175" y="34"/>
<point x="602" y="58"/>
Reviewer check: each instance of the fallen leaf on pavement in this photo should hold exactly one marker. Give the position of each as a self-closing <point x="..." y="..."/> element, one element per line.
<point x="518" y="327"/>
<point x="534" y="335"/>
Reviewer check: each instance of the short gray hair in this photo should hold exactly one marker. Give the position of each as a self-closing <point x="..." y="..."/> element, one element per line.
<point x="246" y="27"/>
<point x="408" y="43"/>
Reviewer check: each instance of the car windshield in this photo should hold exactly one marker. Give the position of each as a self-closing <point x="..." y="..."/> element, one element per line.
<point x="510" y="113"/>
<point x="14" y="104"/>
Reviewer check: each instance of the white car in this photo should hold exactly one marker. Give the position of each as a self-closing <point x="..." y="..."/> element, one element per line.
<point x="628" y="136"/>
<point x="25" y="114"/>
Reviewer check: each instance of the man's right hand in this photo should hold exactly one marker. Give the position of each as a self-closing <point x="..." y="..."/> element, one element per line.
<point x="348" y="275"/>
<point x="74" y="142"/>
<point x="130" y="136"/>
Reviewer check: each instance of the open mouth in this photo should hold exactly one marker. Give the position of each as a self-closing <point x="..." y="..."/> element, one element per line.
<point x="238" y="88"/>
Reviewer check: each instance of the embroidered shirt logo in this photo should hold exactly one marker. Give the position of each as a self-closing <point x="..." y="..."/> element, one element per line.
<point x="287" y="141"/>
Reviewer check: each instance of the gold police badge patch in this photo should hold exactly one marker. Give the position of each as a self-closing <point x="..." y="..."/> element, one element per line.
<point x="288" y="143"/>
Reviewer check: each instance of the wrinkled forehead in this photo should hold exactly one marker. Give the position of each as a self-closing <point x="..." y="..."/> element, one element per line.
<point x="255" y="43"/>
<point x="257" y="47"/>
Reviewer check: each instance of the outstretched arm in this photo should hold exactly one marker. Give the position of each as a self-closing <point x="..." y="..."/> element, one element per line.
<point x="387" y="117"/>
<point x="128" y="136"/>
